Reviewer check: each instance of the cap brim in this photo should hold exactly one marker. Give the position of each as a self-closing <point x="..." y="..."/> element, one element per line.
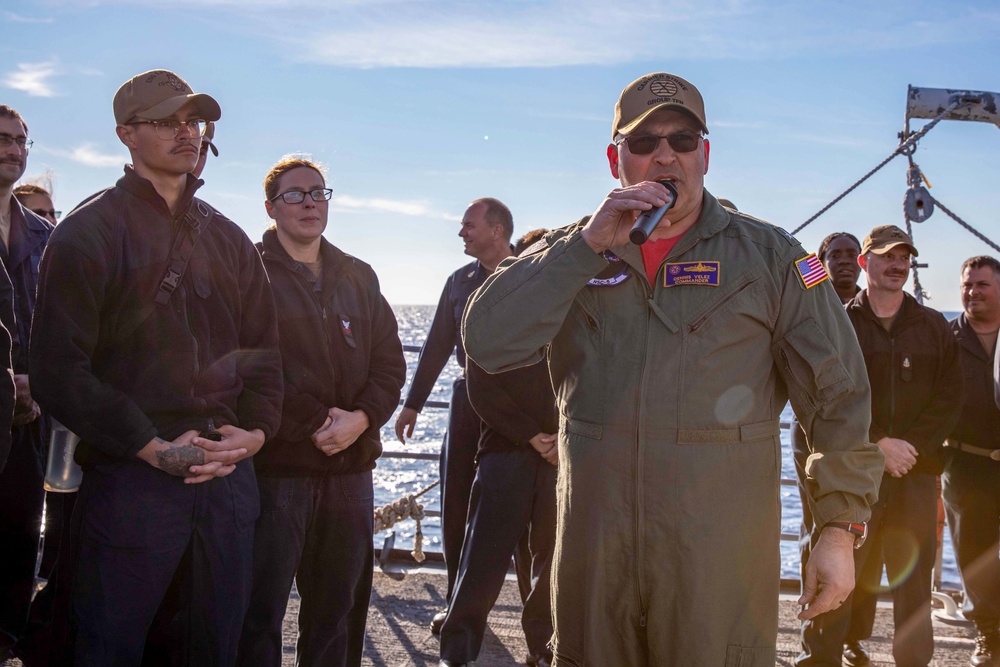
<point x="889" y="246"/>
<point x="666" y="105"/>
<point x="207" y="107"/>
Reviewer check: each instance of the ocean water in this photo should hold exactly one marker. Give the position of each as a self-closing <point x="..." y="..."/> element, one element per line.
<point x="395" y="478"/>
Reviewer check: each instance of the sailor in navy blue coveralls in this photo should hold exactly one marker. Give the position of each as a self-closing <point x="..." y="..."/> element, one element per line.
<point x="489" y="242"/>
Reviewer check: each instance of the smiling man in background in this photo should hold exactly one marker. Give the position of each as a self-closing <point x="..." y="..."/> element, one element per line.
<point x="972" y="470"/>
<point x="915" y="373"/>
<point x="487" y="227"/>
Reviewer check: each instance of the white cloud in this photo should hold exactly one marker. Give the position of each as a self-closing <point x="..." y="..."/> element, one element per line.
<point x="410" y="208"/>
<point x="18" y="18"/>
<point x="553" y="33"/>
<point x="89" y="155"/>
<point x="32" y="78"/>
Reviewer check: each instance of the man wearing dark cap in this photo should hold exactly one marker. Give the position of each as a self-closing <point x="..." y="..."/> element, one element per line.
<point x="915" y="374"/>
<point x="671" y="363"/>
<point x="155" y="341"/>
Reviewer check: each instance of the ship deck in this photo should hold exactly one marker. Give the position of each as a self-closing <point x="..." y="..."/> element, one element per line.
<point x="405" y="598"/>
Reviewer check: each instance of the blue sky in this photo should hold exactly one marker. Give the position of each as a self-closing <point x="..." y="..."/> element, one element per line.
<point x="419" y="106"/>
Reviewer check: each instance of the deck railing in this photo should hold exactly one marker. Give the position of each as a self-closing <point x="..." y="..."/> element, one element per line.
<point x="946" y="597"/>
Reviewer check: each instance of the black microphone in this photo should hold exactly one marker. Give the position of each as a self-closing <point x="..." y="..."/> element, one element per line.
<point x="648" y="220"/>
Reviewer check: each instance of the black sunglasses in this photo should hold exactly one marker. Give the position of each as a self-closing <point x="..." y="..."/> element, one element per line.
<point x="644" y="144"/>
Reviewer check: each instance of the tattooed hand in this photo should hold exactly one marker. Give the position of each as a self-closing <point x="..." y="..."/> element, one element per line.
<point x="185" y="458"/>
<point x="178" y="460"/>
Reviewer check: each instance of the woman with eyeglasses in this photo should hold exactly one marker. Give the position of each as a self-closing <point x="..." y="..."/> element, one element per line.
<point x="344" y="369"/>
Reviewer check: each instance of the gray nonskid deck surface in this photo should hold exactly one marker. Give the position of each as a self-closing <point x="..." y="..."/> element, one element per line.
<point x="404" y="601"/>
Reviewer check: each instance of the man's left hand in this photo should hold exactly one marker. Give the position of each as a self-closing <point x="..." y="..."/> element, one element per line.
<point x="343" y="429"/>
<point x="829" y="573"/>
<point x="233" y="438"/>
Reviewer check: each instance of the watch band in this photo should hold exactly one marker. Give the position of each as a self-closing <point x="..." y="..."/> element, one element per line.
<point x="859" y="530"/>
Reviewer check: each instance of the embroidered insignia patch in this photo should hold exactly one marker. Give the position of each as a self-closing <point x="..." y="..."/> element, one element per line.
<point x="788" y="237"/>
<point x="691" y="273"/>
<point x="811" y="270"/>
<point x="614" y="274"/>
<point x="540" y="244"/>
<point x="345" y="329"/>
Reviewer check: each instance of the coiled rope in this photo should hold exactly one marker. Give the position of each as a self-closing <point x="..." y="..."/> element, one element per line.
<point x="406" y="507"/>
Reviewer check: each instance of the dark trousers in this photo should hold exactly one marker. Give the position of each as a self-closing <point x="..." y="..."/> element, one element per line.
<point x="136" y="525"/>
<point x="823" y="638"/>
<point x="903" y="537"/>
<point x="21" y="498"/>
<point x="458" y="469"/>
<point x="49" y="636"/>
<point x="513" y="490"/>
<point x="317" y="531"/>
<point x="972" y="500"/>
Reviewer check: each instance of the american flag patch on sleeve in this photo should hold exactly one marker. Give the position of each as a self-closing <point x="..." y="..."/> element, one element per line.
<point x="811" y="270"/>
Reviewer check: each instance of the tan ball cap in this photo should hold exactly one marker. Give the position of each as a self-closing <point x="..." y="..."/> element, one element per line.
<point x="884" y="238"/>
<point x="656" y="91"/>
<point x="157" y="94"/>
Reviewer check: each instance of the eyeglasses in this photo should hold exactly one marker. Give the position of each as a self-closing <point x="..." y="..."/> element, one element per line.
<point x="45" y="213"/>
<point x="297" y="196"/>
<point x="168" y="129"/>
<point x="22" y="142"/>
<point x="644" y="144"/>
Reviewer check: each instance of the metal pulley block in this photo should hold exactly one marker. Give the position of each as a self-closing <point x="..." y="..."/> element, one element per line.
<point x="917" y="204"/>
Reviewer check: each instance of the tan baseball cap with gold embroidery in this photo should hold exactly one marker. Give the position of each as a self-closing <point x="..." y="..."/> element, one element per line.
<point x="158" y="94"/>
<point x="659" y="90"/>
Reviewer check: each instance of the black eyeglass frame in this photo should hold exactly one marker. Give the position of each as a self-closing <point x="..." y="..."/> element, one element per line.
<point x="298" y="196"/>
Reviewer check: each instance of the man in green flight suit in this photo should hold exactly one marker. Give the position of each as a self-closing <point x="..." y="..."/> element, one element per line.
<point x="672" y="361"/>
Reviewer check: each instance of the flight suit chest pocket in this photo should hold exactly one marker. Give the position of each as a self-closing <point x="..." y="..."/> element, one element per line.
<point x="731" y="299"/>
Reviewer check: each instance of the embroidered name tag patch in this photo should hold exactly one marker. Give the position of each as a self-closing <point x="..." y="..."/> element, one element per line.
<point x="811" y="270"/>
<point x="615" y="273"/>
<point x="691" y="273"/>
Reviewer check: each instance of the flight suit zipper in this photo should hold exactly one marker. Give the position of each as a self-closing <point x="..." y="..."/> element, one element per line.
<point x="639" y="508"/>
